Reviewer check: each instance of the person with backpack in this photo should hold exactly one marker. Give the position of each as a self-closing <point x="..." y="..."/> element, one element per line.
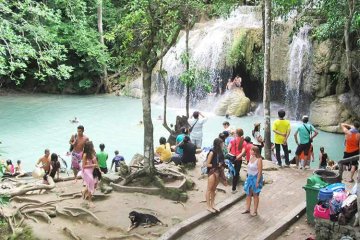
<point x="305" y="131"/>
<point x="215" y="171"/>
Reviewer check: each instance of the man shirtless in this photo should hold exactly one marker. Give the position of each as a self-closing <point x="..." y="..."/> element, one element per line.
<point x="44" y="162"/>
<point x="77" y="142"/>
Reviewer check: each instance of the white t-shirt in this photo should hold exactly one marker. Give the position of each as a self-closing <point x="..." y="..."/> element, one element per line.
<point x="196" y="132"/>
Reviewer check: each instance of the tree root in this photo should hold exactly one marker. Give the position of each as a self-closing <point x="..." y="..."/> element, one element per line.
<point x="24" y="199"/>
<point x="71" y="233"/>
<point x="32" y="218"/>
<point x="8" y="219"/>
<point x="43" y="215"/>
<point x="83" y="210"/>
<point x="28" y="188"/>
<point x="125" y="237"/>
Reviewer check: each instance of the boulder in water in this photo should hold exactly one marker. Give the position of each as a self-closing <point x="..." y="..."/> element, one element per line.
<point x="234" y="102"/>
<point x="327" y="113"/>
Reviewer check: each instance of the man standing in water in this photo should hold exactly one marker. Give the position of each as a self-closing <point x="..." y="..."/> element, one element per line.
<point x="77" y="142"/>
<point x="352" y="144"/>
<point x="281" y="128"/>
<point x="305" y="131"/>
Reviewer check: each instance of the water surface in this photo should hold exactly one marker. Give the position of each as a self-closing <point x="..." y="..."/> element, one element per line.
<point x="31" y="123"/>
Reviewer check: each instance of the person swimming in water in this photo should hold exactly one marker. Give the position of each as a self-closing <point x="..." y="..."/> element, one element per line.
<point x="75" y="120"/>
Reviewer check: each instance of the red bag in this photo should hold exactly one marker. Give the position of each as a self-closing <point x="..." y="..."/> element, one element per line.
<point x="320" y="212"/>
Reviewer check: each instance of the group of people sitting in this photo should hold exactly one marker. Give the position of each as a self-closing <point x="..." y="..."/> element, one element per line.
<point x="8" y="169"/>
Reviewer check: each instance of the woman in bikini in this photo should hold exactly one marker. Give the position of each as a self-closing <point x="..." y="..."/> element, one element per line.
<point x="215" y="164"/>
<point x="89" y="163"/>
<point x="254" y="180"/>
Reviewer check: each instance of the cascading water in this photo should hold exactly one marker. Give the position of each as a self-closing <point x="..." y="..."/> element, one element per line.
<point x="209" y="44"/>
<point x="299" y="73"/>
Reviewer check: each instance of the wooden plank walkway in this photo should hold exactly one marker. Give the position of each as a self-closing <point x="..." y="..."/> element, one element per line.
<point x="277" y="200"/>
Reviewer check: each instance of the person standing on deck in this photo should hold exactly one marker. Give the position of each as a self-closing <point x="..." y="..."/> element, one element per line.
<point x="281" y="128"/>
<point x="305" y="131"/>
<point x="352" y="142"/>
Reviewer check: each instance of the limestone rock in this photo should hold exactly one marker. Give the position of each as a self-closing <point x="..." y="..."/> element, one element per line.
<point x="136" y="160"/>
<point x="269" y="166"/>
<point x="111" y="178"/>
<point x="325" y="113"/>
<point x="233" y="103"/>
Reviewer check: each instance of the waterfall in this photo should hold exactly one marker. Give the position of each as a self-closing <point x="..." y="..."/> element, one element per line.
<point x="209" y="44"/>
<point x="299" y="73"/>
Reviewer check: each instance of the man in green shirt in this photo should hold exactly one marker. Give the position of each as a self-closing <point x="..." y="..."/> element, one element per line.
<point x="101" y="158"/>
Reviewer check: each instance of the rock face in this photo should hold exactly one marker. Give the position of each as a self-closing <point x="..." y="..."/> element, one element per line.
<point x="234" y="103"/>
<point x="326" y="113"/>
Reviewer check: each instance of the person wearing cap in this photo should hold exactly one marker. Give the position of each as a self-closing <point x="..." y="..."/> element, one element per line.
<point x="307" y="133"/>
<point x="352" y="142"/>
<point x="196" y="128"/>
<point x="281" y="128"/>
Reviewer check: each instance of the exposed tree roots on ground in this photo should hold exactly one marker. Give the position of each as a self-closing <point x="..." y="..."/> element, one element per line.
<point x="37" y="211"/>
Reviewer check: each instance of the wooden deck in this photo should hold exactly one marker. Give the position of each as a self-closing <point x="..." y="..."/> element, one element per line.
<point x="277" y="200"/>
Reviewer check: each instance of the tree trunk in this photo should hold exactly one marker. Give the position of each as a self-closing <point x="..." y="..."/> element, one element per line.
<point x="148" y="126"/>
<point x="347" y="27"/>
<point x="166" y="126"/>
<point x="358" y="196"/>
<point x="187" y="65"/>
<point x="267" y="80"/>
<point x="104" y="79"/>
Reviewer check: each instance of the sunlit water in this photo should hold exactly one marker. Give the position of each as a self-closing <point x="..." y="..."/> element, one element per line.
<point x="31" y="123"/>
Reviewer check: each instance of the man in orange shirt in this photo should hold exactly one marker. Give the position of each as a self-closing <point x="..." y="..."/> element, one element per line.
<point x="352" y="142"/>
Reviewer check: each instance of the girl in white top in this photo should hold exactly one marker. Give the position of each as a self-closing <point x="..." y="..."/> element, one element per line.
<point x="254" y="180"/>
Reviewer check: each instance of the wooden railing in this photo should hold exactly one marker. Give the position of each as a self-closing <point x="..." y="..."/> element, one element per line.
<point x="344" y="161"/>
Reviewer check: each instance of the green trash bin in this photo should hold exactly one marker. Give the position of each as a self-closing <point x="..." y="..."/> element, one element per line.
<point x="312" y="187"/>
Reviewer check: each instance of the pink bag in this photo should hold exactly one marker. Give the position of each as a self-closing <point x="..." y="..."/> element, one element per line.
<point x="320" y="212"/>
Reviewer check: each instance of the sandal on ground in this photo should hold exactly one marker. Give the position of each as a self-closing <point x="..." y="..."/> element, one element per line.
<point x="254" y="214"/>
<point x="246" y="212"/>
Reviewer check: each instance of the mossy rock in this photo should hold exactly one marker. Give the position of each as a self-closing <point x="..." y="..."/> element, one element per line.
<point x="190" y="184"/>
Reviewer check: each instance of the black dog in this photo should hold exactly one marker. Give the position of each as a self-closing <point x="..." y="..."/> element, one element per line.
<point x="147" y="220"/>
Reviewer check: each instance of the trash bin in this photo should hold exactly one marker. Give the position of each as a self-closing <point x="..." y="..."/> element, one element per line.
<point x="328" y="176"/>
<point x="312" y="187"/>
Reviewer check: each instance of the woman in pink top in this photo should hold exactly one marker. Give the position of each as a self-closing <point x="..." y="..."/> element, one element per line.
<point x="89" y="163"/>
<point x="237" y="148"/>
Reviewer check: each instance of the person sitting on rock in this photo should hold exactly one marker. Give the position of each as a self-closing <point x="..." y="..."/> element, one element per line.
<point x="189" y="151"/>
<point x="163" y="151"/>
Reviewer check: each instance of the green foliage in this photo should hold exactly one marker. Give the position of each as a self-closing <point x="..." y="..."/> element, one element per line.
<point x="85" y="84"/>
<point x="247" y="50"/>
<point x="4" y="200"/>
<point x="335" y="14"/>
<point x="222" y="7"/>
<point x="144" y="31"/>
<point x="29" y="48"/>
<point x="282" y="8"/>
<point x="196" y="78"/>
